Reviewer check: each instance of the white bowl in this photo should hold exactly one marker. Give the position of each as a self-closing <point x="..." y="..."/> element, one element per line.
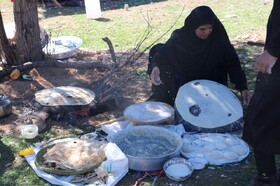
<point x="178" y="169"/>
<point x="29" y="131"/>
<point x="63" y="47"/>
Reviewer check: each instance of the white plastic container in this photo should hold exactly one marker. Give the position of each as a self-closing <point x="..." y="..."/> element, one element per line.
<point x="93" y="9"/>
<point x="29" y="131"/>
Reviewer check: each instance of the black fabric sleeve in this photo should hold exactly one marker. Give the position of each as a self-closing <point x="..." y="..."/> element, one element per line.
<point x="233" y="67"/>
<point x="159" y="60"/>
<point x="154" y="51"/>
<point x="273" y="30"/>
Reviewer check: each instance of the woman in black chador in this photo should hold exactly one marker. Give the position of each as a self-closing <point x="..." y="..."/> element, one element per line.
<point x="199" y="50"/>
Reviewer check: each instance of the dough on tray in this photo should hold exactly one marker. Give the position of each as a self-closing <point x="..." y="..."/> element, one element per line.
<point x="230" y="141"/>
<point x="216" y="154"/>
<point x="239" y="149"/>
<point x="221" y="146"/>
<point x="231" y="155"/>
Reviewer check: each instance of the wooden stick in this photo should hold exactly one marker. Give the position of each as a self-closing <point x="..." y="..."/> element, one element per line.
<point x="111" y="49"/>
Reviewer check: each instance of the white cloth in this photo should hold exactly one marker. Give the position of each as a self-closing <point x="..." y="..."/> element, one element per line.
<point x="116" y="126"/>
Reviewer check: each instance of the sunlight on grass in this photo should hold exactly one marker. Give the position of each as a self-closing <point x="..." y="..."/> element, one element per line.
<point x="124" y="27"/>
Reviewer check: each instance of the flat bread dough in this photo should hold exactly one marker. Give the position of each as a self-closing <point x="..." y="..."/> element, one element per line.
<point x="64" y="96"/>
<point x="149" y="112"/>
<point x="76" y="154"/>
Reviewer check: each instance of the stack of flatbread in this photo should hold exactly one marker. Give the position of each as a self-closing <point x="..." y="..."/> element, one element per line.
<point x="76" y="154"/>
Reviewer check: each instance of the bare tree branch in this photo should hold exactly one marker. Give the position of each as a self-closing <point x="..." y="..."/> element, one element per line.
<point x="133" y="57"/>
<point x="134" y="54"/>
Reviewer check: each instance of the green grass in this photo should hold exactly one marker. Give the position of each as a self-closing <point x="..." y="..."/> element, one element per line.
<point x="124" y="27"/>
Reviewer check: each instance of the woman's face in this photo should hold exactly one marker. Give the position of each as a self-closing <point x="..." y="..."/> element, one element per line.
<point x="204" y="31"/>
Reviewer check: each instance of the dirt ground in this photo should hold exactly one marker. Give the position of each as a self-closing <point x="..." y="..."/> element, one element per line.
<point x="130" y="85"/>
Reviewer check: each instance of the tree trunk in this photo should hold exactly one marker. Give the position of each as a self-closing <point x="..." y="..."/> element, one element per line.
<point x="28" y="42"/>
<point x="6" y="51"/>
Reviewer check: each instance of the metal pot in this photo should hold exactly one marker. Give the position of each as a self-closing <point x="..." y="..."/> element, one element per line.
<point x="5" y="105"/>
<point x="142" y="161"/>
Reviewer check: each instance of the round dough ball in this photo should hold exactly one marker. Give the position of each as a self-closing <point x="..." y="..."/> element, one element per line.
<point x="215" y="154"/>
<point x="221" y="146"/>
<point x="198" y="142"/>
<point x="219" y="138"/>
<point x="241" y="150"/>
<point x="231" y="141"/>
<point x="231" y="155"/>
<point x="187" y="148"/>
<point x="209" y="147"/>
<point x="200" y="149"/>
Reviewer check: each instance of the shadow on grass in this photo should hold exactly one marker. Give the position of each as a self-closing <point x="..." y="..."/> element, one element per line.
<point x="6" y="158"/>
<point x="247" y="55"/>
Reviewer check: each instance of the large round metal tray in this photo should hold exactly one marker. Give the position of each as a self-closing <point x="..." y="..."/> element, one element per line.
<point x="64" y="99"/>
<point x="39" y="162"/>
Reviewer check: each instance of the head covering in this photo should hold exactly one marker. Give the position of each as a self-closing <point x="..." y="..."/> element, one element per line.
<point x="187" y="54"/>
<point x="200" y="16"/>
<point x="203" y="15"/>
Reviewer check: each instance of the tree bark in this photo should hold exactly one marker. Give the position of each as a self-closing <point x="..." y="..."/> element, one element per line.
<point x="6" y="51"/>
<point x="28" y="42"/>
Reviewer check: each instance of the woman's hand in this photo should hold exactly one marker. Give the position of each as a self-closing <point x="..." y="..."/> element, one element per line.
<point x="246" y="97"/>
<point x="265" y="62"/>
<point x="155" y="76"/>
